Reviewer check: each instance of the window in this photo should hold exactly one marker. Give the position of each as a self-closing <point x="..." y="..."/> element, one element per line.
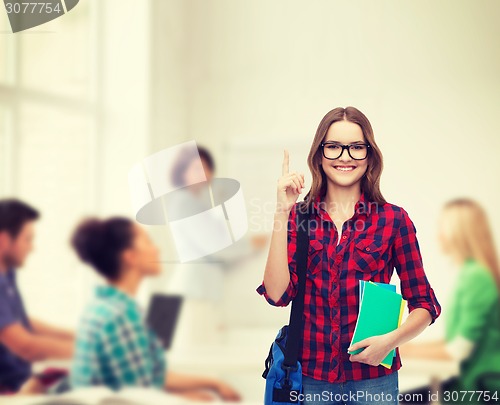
<point x="48" y="146"/>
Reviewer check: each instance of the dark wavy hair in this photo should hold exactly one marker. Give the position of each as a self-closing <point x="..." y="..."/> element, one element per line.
<point x="100" y="243"/>
<point x="14" y="214"/>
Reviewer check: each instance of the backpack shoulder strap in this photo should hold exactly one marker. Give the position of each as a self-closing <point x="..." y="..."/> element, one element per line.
<point x="296" y="321"/>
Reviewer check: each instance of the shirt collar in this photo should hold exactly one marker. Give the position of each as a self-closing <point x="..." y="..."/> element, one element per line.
<point x="111" y="292"/>
<point x="361" y="207"/>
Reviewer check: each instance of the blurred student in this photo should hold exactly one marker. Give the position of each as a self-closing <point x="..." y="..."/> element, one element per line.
<point x="202" y="282"/>
<point x="473" y="319"/>
<point x="23" y="339"/>
<point x="114" y="347"/>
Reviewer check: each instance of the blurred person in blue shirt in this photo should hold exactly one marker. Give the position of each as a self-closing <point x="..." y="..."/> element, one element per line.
<point x="23" y="339"/>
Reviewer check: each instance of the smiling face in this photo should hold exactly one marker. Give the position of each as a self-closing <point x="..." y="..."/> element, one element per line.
<point x="344" y="171"/>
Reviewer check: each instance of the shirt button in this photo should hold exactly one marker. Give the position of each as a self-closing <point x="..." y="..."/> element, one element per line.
<point x="367" y="249"/>
<point x="344" y="237"/>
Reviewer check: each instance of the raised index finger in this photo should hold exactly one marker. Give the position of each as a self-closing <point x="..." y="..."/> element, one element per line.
<point x="284" y="168"/>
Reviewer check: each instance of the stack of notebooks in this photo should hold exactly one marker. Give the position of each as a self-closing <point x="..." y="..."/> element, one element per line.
<point x="380" y="311"/>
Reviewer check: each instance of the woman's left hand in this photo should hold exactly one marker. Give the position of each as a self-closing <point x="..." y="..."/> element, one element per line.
<point x="376" y="348"/>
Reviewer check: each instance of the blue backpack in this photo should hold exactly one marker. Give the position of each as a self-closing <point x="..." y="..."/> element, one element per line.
<point x="283" y="371"/>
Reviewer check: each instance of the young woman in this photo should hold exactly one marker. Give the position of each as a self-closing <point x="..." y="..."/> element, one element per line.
<point x="357" y="236"/>
<point x="114" y="347"/>
<point x="472" y="327"/>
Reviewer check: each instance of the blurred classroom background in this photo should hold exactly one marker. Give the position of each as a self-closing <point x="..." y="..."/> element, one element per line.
<point x="85" y="97"/>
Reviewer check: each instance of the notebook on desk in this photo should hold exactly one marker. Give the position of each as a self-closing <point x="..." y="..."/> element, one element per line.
<point x="162" y="316"/>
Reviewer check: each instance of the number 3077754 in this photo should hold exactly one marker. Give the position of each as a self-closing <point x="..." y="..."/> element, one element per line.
<point x="33" y="7"/>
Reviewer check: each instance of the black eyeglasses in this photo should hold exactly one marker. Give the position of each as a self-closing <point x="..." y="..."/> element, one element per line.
<point x="357" y="151"/>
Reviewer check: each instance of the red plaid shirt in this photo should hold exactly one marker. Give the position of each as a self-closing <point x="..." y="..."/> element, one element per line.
<point x="377" y="239"/>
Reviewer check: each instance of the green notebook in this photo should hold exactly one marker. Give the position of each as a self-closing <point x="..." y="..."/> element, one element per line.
<point x="390" y="287"/>
<point x="380" y="312"/>
<point x="362" y="283"/>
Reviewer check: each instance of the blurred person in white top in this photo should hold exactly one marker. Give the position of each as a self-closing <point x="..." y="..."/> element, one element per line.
<point x="201" y="281"/>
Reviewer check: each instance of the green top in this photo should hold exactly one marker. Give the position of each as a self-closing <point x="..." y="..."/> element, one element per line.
<point x="474" y="314"/>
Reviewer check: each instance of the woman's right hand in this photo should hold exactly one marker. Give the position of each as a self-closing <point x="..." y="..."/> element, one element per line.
<point x="290" y="186"/>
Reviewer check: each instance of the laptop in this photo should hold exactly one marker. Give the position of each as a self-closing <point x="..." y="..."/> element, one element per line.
<point x="162" y="316"/>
